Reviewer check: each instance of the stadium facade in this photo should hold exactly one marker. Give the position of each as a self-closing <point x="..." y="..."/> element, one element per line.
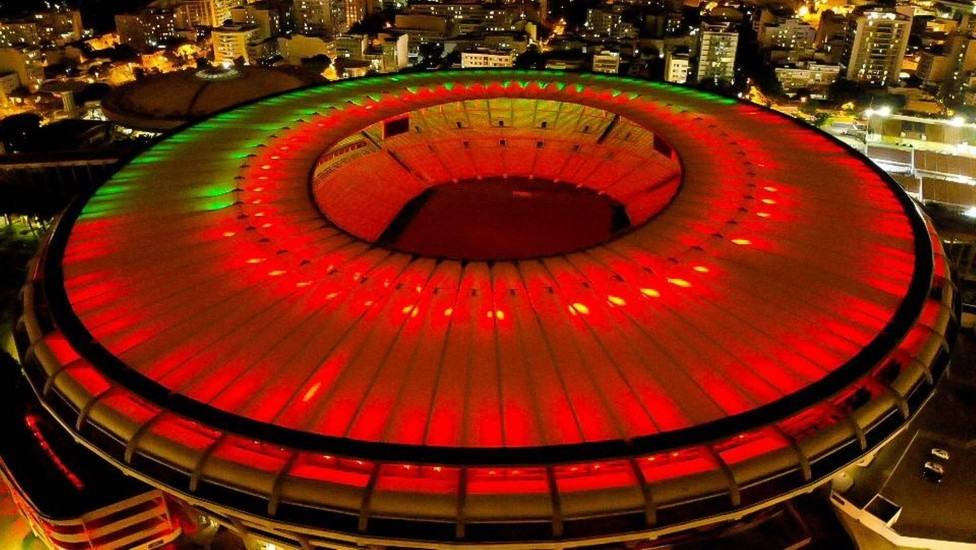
<point x="245" y="318"/>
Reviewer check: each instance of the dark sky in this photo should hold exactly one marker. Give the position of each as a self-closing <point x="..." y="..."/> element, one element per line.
<point x="98" y="14"/>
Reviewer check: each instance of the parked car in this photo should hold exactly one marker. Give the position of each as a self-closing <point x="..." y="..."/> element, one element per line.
<point x="939" y="453"/>
<point x="933" y="471"/>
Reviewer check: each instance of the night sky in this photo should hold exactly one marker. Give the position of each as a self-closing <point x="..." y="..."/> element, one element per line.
<point x="96" y="14"/>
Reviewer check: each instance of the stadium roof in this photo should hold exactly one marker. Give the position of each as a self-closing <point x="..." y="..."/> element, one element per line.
<point x="770" y="320"/>
<point x="167" y="101"/>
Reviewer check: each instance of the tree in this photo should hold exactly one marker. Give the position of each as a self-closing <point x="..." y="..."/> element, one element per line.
<point x="18" y="130"/>
<point x="531" y="59"/>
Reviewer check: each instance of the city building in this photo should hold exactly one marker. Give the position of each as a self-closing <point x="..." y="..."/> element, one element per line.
<point x="56" y="26"/>
<point x="296" y="47"/>
<point x="961" y="63"/>
<point x="813" y="78"/>
<point x="375" y="325"/>
<point x="351" y="46"/>
<point x="606" y="62"/>
<point x="474" y="12"/>
<point x="717" y="45"/>
<point x="148" y="29"/>
<point x="388" y="53"/>
<point x="487" y="58"/>
<point x="601" y="22"/>
<point x="788" y="41"/>
<point x="879" y="38"/>
<point x="831" y="39"/>
<point x="26" y="62"/>
<point x="423" y="29"/>
<point x="933" y="68"/>
<point x="236" y="42"/>
<point x="19" y="32"/>
<point x="346" y="13"/>
<point x="791" y="34"/>
<point x="313" y="17"/>
<point x="273" y="19"/>
<point x="676" y="66"/>
<point x="220" y="11"/>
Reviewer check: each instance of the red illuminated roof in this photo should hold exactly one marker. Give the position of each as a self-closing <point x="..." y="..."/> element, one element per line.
<point x="783" y="272"/>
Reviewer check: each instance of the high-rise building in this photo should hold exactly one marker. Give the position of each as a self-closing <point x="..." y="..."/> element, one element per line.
<point x="57" y="26"/>
<point x="717" y="44"/>
<point x="19" y="32"/>
<point x="345" y="13"/>
<point x="147" y="29"/>
<point x="27" y="62"/>
<point x="273" y="19"/>
<point x="960" y="62"/>
<point x="220" y="10"/>
<point x="878" y="40"/>
<point x="233" y="42"/>
<point x="313" y="17"/>
<point x="601" y="22"/>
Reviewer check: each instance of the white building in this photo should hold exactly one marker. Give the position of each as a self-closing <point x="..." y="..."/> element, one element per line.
<point x="606" y="62"/>
<point x="487" y="58"/>
<point x="233" y="42"/>
<point x="676" y="67"/>
<point x="717" y="45"/>
<point x="878" y="46"/>
<point x="814" y="77"/>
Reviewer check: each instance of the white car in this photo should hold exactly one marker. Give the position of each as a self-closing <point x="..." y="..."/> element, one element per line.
<point x="939" y="453"/>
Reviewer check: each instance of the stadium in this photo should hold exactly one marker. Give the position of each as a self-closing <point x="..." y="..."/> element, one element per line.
<point x="524" y="309"/>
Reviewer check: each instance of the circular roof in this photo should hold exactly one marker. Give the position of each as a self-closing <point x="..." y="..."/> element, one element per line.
<point x="167" y="101"/>
<point x="203" y="281"/>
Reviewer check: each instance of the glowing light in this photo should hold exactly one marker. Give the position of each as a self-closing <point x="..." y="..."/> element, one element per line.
<point x="449" y="311"/>
<point x="616" y="300"/>
<point x="311" y="393"/>
<point x="31" y="421"/>
<point x="229" y="233"/>
<point x="331" y="295"/>
<point x="276" y="273"/>
<point x="255" y="260"/>
<point x="303" y="284"/>
<point x="407" y="309"/>
<point x="700" y="269"/>
<point x="768" y="201"/>
<point x="742" y="242"/>
<point x="970" y="212"/>
<point x="650" y="292"/>
<point x="266" y="167"/>
<point x="762" y="214"/>
<point x="680" y="282"/>
<point x="579" y="308"/>
<point x="770" y="189"/>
